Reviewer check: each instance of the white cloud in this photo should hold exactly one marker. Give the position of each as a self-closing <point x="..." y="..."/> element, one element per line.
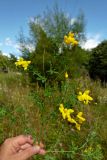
<point x="8" y="42"/>
<point x="73" y="20"/>
<point x="31" y="19"/>
<point x="35" y="20"/>
<point x="9" y="46"/>
<point x="30" y="47"/>
<point x="6" y="54"/>
<point x="92" y="41"/>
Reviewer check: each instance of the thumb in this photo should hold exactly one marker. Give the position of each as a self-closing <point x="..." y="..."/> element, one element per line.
<point x="24" y="155"/>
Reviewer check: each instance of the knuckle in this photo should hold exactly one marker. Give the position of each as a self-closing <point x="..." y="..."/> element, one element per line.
<point x="7" y="141"/>
<point x="22" y="136"/>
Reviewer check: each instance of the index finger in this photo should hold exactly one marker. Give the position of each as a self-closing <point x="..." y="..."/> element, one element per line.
<point x="22" y="139"/>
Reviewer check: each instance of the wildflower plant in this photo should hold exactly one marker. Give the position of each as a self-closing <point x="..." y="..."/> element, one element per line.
<point x="70" y="118"/>
<point x="69" y="111"/>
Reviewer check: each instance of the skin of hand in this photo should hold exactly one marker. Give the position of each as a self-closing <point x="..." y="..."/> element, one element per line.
<point x="20" y="148"/>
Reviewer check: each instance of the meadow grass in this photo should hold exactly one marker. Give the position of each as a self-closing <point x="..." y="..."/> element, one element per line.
<point x="30" y="109"/>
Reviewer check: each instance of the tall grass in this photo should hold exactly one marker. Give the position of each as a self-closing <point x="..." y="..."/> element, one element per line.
<point x="30" y="109"/>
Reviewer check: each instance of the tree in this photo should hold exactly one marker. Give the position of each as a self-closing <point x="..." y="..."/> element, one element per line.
<point x="98" y="62"/>
<point x="46" y="38"/>
<point x="53" y="25"/>
<point x="79" y="26"/>
<point x="12" y="60"/>
<point x="4" y="62"/>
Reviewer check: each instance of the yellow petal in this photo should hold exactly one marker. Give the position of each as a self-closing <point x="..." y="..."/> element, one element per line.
<point x="64" y="115"/>
<point x="71" y="34"/>
<point x="80" y="93"/>
<point x="70" y="110"/>
<point x="77" y="126"/>
<point x="66" y="75"/>
<point x="75" y="42"/>
<point x="71" y="120"/>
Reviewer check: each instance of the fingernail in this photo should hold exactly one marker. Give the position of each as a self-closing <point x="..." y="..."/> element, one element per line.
<point x="36" y="148"/>
<point x="42" y="152"/>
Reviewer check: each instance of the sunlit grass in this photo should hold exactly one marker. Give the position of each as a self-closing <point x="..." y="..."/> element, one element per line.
<point x="33" y="110"/>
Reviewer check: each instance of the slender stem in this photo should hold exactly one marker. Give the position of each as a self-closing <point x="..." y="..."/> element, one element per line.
<point x="58" y="151"/>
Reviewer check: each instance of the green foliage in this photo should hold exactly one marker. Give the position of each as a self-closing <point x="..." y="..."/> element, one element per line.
<point x="4" y="61"/>
<point x="35" y="110"/>
<point x="57" y="24"/>
<point x="94" y="150"/>
<point x="7" y="63"/>
<point x="12" y="60"/>
<point x="79" y="27"/>
<point x="98" y="62"/>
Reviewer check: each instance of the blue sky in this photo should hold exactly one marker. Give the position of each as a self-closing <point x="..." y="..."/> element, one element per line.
<point x="15" y="14"/>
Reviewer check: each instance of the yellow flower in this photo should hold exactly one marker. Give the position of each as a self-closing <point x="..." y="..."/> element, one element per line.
<point x="85" y="97"/>
<point x="66" y="75"/>
<point x="66" y="40"/>
<point x="80" y="97"/>
<point x="70" y="39"/>
<point x="79" y="116"/>
<point x="66" y="114"/>
<point x="72" y="120"/>
<point x="23" y="63"/>
<point x="71" y="34"/>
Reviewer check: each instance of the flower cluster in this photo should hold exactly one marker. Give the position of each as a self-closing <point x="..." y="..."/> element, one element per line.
<point x="84" y="97"/>
<point x="23" y="63"/>
<point x="68" y="114"/>
<point x="70" y="39"/>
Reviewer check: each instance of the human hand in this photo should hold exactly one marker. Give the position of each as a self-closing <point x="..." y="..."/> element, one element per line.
<point x="20" y="148"/>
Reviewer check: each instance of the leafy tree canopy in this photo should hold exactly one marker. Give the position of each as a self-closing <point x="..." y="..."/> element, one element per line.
<point x="98" y="62"/>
